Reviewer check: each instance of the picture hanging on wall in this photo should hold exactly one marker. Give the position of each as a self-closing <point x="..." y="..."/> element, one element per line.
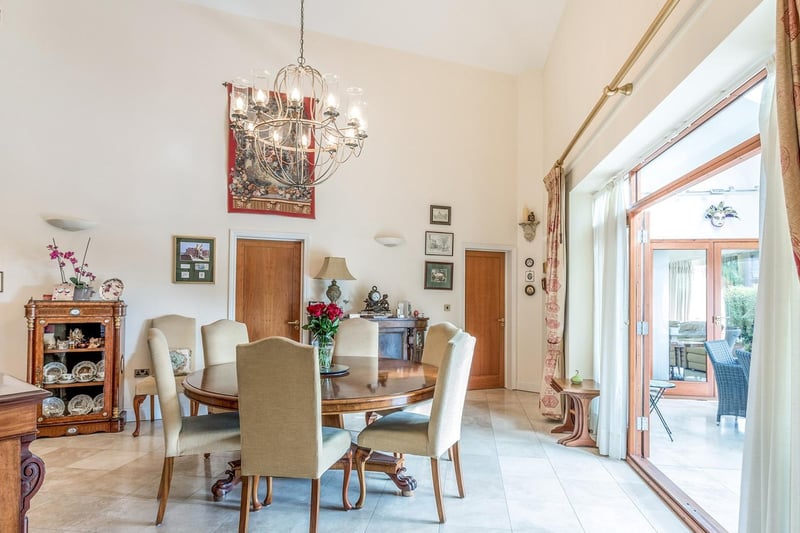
<point x="438" y="275"/>
<point x="250" y="190"/>
<point x="193" y="259"/>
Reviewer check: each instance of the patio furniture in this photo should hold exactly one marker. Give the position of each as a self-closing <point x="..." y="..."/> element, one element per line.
<point x="657" y="389"/>
<point x="731" y="380"/>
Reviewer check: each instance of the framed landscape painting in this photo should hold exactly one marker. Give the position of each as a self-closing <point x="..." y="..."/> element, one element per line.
<point x="438" y="275"/>
<point x="438" y="243"/>
<point x="193" y="259"/>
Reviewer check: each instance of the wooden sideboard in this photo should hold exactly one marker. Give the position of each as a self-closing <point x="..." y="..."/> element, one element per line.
<point x="21" y="472"/>
<point x="401" y="338"/>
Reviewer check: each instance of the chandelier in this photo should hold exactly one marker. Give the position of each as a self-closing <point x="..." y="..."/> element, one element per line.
<point x="297" y="131"/>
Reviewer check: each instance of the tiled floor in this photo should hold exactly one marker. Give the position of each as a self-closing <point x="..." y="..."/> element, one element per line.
<point x="517" y="478"/>
<point x="705" y="460"/>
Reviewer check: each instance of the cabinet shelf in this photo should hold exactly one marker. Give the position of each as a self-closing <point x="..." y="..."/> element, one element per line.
<point x="48" y="319"/>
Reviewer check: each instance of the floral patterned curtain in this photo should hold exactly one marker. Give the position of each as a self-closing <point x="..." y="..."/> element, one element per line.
<point x="787" y="63"/>
<point x="549" y="399"/>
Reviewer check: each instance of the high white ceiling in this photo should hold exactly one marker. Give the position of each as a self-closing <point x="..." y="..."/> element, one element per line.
<point x="508" y="36"/>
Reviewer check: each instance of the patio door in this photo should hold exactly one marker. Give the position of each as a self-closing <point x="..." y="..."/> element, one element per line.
<point x="699" y="290"/>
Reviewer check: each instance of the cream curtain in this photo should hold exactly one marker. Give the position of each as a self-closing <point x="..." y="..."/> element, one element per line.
<point x="770" y="486"/>
<point x="787" y="83"/>
<point x="549" y="399"/>
<point x="611" y="317"/>
<point x="680" y="289"/>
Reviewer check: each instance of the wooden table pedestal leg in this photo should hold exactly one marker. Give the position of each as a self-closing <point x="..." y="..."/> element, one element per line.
<point x="580" y="437"/>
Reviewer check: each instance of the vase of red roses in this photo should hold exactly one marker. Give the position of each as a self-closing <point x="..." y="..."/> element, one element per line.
<point x="323" y="323"/>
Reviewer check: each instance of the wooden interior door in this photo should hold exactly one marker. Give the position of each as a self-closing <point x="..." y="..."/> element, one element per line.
<point x="485" y="307"/>
<point x="269" y="287"/>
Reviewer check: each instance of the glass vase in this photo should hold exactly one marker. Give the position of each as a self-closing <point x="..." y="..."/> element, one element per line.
<point x="324" y="351"/>
<point x="82" y="293"/>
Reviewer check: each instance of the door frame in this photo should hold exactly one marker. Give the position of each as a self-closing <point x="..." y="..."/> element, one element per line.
<point x="235" y="235"/>
<point x="510" y="356"/>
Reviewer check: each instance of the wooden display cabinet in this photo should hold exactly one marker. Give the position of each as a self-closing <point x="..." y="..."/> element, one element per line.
<point x="53" y="338"/>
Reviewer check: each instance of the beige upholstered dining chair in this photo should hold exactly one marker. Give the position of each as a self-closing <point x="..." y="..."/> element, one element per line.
<point x="181" y="334"/>
<point x="436" y="345"/>
<point x="282" y="432"/>
<point x="189" y="435"/>
<point x="220" y="339"/>
<point x="356" y="337"/>
<point x="418" y="434"/>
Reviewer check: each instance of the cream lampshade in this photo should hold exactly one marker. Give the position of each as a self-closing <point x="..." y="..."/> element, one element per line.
<point x="334" y="268"/>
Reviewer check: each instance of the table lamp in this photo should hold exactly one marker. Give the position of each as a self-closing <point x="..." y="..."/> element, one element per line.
<point x="334" y="268"/>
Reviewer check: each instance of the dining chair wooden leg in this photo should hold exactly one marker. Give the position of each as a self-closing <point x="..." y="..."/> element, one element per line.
<point x="437" y="488"/>
<point x="268" y="497"/>
<point x="137" y="402"/>
<point x="166" y="480"/>
<point x="152" y="407"/>
<point x="347" y="469"/>
<point x="455" y="456"/>
<point x="312" y="526"/>
<point x="362" y="454"/>
<point x="244" y="505"/>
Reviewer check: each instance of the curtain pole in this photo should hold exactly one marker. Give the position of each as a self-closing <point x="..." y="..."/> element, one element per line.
<point x="612" y="87"/>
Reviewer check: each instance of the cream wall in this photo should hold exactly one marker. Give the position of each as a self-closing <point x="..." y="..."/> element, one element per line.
<point x="115" y="111"/>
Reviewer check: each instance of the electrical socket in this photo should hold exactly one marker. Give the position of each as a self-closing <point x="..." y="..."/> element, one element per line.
<point x="141" y="372"/>
<point x="446" y="307"/>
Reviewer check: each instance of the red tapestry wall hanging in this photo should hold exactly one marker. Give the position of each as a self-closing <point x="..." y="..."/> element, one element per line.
<point x="251" y="190"/>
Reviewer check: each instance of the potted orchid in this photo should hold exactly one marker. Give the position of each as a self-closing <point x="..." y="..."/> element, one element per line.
<point x="323" y="323"/>
<point x="82" y="277"/>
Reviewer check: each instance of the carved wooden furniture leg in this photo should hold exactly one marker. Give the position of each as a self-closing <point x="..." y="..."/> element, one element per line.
<point x="581" y="435"/>
<point x="223" y="486"/>
<point x="137" y="402"/>
<point x="31" y="477"/>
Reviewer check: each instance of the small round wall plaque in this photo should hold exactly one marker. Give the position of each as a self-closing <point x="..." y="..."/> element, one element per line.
<point x="530" y="290"/>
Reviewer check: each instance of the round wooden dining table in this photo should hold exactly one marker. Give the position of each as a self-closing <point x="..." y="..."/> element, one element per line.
<point x="369" y="384"/>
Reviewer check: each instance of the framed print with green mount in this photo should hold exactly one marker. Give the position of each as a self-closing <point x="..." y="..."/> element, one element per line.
<point x="438" y="275"/>
<point x="193" y="259"/>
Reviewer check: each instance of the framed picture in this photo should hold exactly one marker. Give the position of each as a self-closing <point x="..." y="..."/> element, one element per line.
<point x="438" y="275"/>
<point x="193" y="259"/>
<point x="250" y="190"/>
<point x="438" y="243"/>
<point x="440" y="214"/>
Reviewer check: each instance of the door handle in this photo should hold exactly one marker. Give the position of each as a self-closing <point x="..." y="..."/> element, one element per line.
<point x="295" y="323"/>
<point x="502" y="322"/>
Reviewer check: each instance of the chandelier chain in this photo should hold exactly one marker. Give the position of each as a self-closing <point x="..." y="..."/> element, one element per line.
<point x="301" y="59"/>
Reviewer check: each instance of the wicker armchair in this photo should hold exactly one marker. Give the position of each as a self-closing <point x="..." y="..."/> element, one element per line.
<point x="744" y="359"/>
<point x="731" y="380"/>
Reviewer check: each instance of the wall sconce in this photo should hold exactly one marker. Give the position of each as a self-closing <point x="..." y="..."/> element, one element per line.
<point x="68" y="223"/>
<point x="529" y="226"/>
<point x="390" y="240"/>
<point x="334" y="268"/>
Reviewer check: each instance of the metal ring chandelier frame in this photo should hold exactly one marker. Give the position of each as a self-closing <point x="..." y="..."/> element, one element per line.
<point x="294" y="130"/>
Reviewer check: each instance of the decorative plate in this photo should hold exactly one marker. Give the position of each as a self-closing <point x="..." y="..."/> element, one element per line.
<point x="52" y="371"/>
<point x="100" y="371"/>
<point x="334" y="370"/>
<point x="99" y="402"/>
<point x="111" y="289"/>
<point x="52" y="406"/>
<point x="84" y="371"/>
<point x="82" y="404"/>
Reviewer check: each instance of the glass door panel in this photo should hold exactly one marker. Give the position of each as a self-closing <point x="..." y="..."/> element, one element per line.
<point x="679" y="317"/>
<point x="736" y="301"/>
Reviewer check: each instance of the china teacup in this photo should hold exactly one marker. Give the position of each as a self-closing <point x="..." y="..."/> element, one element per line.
<point x="66" y="377"/>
